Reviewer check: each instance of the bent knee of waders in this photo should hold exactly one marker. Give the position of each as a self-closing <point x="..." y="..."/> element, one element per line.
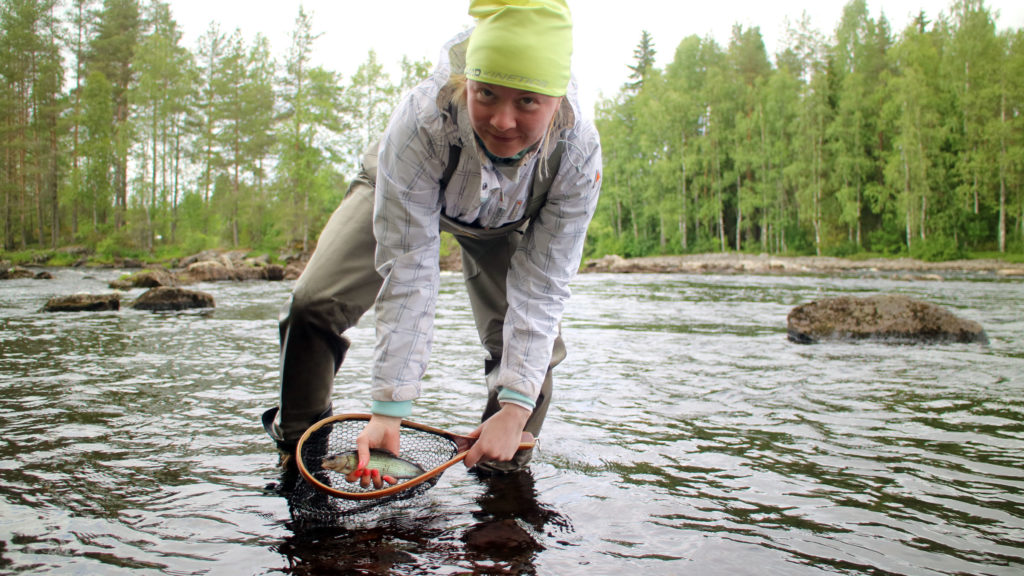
<point x="311" y="354"/>
<point x="303" y="320"/>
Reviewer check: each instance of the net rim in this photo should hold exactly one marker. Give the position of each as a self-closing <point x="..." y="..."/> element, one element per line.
<point x="461" y="446"/>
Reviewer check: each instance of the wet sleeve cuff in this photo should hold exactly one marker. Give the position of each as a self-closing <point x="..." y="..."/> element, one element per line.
<point x="401" y="409"/>
<point x="516" y="398"/>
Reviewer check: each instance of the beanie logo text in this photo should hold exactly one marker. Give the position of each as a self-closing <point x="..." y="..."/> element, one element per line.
<point x="504" y="79"/>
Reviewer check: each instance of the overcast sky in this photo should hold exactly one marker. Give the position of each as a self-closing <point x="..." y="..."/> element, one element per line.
<point x="605" y="32"/>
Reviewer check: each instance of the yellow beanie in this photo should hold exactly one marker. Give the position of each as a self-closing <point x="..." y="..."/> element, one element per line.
<point x="521" y="44"/>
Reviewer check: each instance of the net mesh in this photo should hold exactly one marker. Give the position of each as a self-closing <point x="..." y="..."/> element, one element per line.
<point x="311" y="507"/>
<point x="427" y="450"/>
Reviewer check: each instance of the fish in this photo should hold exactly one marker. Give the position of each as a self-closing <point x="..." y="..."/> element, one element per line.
<point x="388" y="464"/>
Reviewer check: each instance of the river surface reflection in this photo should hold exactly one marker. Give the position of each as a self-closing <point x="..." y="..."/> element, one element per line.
<point x="687" y="436"/>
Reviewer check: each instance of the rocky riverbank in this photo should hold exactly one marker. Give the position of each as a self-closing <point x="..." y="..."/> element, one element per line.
<point x="801" y="265"/>
<point x="207" y="266"/>
<point x="214" y="265"/>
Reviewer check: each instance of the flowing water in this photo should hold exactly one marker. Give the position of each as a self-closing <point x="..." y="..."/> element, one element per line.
<point x="687" y="436"/>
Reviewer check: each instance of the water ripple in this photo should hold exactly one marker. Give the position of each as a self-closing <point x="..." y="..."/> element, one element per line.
<point x="687" y="436"/>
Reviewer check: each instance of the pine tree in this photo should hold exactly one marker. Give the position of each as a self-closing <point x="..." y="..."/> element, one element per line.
<point x="98" y="154"/>
<point x="749" y="67"/>
<point x="643" y="57"/>
<point x="972" y="63"/>
<point x="368" y="100"/>
<point x="32" y="72"/>
<point x="1008" y="129"/>
<point x="683" y="80"/>
<point x="111" y="53"/>
<point x="311" y="102"/>
<point x="81" y="17"/>
<point x="260" y="138"/>
<point x="857" y="65"/>
<point x="204" y="123"/>
<point x="158" y="98"/>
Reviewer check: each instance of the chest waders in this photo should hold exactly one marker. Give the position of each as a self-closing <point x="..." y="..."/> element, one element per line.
<point x="340" y="283"/>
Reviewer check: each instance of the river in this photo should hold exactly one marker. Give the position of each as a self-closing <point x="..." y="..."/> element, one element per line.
<point x="687" y="436"/>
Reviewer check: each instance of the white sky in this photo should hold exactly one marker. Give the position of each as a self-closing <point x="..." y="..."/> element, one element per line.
<point x="605" y="32"/>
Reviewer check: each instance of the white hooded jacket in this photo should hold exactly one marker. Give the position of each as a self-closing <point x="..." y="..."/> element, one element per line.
<point x="407" y="212"/>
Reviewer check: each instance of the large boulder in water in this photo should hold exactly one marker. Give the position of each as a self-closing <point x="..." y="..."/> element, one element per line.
<point x="164" y="298"/>
<point x="83" y="303"/>
<point x="225" y="268"/>
<point x="208" y="271"/>
<point x="273" y="272"/>
<point x="888" y="317"/>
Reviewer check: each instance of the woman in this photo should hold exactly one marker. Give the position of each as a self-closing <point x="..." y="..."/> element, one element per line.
<point x="491" y="148"/>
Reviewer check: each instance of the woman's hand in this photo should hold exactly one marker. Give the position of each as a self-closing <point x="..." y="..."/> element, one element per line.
<point x="499" y="436"/>
<point x="381" y="432"/>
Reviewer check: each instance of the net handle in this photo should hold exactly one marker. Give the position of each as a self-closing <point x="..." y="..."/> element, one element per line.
<point x="462" y="444"/>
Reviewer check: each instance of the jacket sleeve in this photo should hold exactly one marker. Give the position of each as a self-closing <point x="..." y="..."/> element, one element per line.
<point x="546" y="261"/>
<point x="405" y="222"/>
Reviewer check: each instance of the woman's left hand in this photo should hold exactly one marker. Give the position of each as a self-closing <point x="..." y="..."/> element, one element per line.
<point x="499" y="436"/>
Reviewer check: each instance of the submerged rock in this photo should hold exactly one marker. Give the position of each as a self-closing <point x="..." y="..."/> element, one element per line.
<point x="164" y="298"/>
<point x="19" y="273"/>
<point x="83" y="303"/>
<point x="888" y="317"/>
<point x="149" y="278"/>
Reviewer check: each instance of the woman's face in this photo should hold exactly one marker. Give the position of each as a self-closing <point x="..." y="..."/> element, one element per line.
<point x="508" y="120"/>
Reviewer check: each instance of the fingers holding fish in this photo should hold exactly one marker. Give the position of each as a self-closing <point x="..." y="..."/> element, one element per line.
<point x="368" y="476"/>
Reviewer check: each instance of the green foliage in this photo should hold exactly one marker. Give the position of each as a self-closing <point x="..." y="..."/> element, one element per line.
<point x="799" y="240"/>
<point x="860" y="141"/>
<point x="32" y="257"/>
<point x="937" y="250"/>
<point x="843" y="250"/>
<point x="62" y="259"/>
<point x="1013" y="256"/>
<point x="888" y="240"/>
<point x="168" y="151"/>
<point x="118" y="245"/>
<point x="195" y="242"/>
<point x="449" y="245"/>
<point x="369" y="101"/>
<point x="117" y="137"/>
<point x="706" y="245"/>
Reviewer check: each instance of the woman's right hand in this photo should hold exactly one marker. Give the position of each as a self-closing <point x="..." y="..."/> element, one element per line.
<point x="381" y="432"/>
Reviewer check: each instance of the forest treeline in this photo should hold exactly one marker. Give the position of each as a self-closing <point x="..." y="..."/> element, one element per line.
<point x="907" y="143"/>
<point x="119" y="139"/>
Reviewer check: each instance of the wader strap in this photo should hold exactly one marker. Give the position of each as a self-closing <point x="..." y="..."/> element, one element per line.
<point x="449" y="168"/>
